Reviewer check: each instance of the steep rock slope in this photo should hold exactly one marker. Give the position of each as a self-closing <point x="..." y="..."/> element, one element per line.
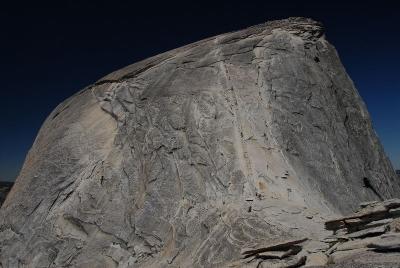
<point x="186" y="158"/>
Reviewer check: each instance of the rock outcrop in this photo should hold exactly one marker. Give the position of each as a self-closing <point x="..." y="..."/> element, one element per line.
<point x="369" y="236"/>
<point x="226" y="152"/>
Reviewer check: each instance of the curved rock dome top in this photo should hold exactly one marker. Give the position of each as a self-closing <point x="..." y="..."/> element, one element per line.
<point x="186" y="158"/>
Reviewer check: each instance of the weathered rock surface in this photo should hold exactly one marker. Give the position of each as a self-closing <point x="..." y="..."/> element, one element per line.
<point x="362" y="238"/>
<point x="241" y="140"/>
<point x="371" y="214"/>
<point x="5" y="188"/>
<point x="316" y="259"/>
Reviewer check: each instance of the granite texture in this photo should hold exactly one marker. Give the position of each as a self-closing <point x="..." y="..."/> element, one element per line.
<point x="241" y="140"/>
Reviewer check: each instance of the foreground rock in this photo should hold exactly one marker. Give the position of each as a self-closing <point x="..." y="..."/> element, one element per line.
<point x="369" y="236"/>
<point x="371" y="214"/>
<point x="282" y="254"/>
<point x="5" y="188"/>
<point x="243" y="140"/>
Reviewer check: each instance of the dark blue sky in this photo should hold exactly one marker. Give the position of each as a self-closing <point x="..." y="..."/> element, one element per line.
<point x="50" y="51"/>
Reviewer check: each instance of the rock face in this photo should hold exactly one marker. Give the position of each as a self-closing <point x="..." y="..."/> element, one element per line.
<point x="244" y="140"/>
<point x="5" y="187"/>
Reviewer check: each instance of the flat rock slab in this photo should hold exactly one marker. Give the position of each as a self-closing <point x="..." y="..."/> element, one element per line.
<point x="371" y="213"/>
<point x="364" y="216"/>
<point x="386" y="243"/>
<point x="356" y="244"/>
<point x="285" y="245"/>
<point x="369" y="259"/>
<point x="392" y="203"/>
<point x="369" y="232"/>
<point x="339" y="256"/>
<point x="279" y="254"/>
<point x="378" y="223"/>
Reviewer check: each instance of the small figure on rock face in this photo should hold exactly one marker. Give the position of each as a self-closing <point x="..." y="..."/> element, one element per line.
<point x="285" y="175"/>
<point x="367" y="184"/>
<point x="249" y="209"/>
<point x="288" y="193"/>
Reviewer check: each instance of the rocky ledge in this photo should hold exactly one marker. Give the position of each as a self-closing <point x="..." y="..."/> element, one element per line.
<point x="369" y="237"/>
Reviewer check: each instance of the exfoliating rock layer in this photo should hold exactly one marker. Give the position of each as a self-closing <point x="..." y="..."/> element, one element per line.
<point x="229" y="152"/>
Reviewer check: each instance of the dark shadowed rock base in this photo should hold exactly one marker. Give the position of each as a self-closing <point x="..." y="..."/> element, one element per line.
<point x="5" y="187"/>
